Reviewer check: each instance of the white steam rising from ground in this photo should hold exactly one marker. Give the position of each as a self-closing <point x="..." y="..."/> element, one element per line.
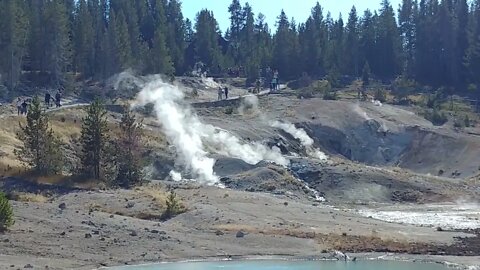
<point x="302" y="136"/>
<point x="189" y="135"/>
<point x="248" y="103"/>
<point x="178" y="123"/>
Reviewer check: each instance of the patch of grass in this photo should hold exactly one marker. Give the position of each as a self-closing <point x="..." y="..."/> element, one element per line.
<point x="333" y="241"/>
<point x="436" y="117"/>
<point x="29" y="197"/>
<point x="156" y="193"/>
<point x="229" y="110"/>
<point x="174" y="206"/>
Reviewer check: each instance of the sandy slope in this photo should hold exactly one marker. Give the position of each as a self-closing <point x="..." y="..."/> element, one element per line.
<point x="45" y="235"/>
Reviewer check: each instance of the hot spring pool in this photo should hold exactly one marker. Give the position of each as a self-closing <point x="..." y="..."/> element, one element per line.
<point x="288" y="265"/>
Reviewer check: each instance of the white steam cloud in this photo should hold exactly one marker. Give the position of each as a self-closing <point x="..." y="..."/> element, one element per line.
<point x="190" y="135"/>
<point x="176" y="176"/>
<point x="248" y="103"/>
<point x="302" y="136"/>
<point x="178" y="123"/>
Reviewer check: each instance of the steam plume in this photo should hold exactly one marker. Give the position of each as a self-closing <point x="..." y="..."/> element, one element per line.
<point x="302" y="136"/>
<point x="189" y="134"/>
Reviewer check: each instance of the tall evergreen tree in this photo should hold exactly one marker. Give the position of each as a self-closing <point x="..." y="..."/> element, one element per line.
<point x="407" y="16"/>
<point x="176" y="35"/>
<point x="40" y="148"/>
<point x="312" y="38"/>
<point x="57" y="40"/>
<point x="352" y="64"/>
<point x="237" y="22"/>
<point x="128" y="151"/>
<point x="282" y="46"/>
<point x="388" y="43"/>
<point x="84" y="40"/>
<point x="472" y="56"/>
<point x="14" y="23"/>
<point x="207" y="49"/>
<point x="367" y="38"/>
<point x="94" y="141"/>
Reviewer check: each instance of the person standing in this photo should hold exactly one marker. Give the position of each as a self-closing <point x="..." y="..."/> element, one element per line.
<point x="47" y="99"/>
<point x="226" y="92"/>
<point x="220" y="93"/>
<point x="24" y="107"/>
<point x="58" y="97"/>
<point x="19" y="106"/>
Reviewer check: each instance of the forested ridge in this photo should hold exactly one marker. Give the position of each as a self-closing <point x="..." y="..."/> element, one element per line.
<point x="52" y="42"/>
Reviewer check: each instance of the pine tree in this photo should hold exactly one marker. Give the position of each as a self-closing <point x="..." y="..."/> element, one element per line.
<point x="312" y="39"/>
<point x="57" y="40"/>
<point x="407" y="16"/>
<point x="237" y="22"/>
<point x="128" y="154"/>
<point x="263" y="41"/>
<point x="159" y="58"/>
<point x="472" y="55"/>
<point x="84" y="40"/>
<point x="334" y="56"/>
<point x="388" y="43"/>
<point x="40" y="149"/>
<point x="367" y="38"/>
<point x="352" y="45"/>
<point x="282" y="46"/>
<point x="462" y="16"/>
<point x="14" y="23"/>
<point x="6" y="213"/>
<point x="207" y="49"/>
<point x="176" y="35"/>
<point x="122" y="42"/>
<point x="94" y="141"/>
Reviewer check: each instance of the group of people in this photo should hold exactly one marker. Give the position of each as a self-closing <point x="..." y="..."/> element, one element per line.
<point x="274" y="84"/>
<point x="222" y="91"/>
<point x="22" y="104"/>
<point x="57" y="99"/>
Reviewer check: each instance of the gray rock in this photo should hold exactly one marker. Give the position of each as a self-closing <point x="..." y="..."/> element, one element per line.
<point x="240" y="234"/>
<point x="62" y="206"/>
<point x="133" y="233"/>
<point x="28" y="266"/>
<point x="87" y="235"/>
<point x="130" y="205"/>
<point x="218" y="233"/>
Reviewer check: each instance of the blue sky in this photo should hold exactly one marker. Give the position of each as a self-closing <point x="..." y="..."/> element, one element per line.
<point x="299" y="9"/>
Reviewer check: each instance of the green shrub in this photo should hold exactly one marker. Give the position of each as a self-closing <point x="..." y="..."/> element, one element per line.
<point x="380" y="95"/>
<point x="402" y="87"/>
<point x="330" y="95"/>
<point x="6" y="213"/>
<point x="174" y="207"/>
<point x="229" y="110"/>
<point x="437" y="118"/>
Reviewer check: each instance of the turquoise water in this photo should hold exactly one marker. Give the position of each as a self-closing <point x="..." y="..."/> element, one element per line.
<point x="289" y="265"/>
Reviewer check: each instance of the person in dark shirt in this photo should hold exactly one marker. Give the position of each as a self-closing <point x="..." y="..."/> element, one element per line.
<point x="58" y="97"/>
<point x="226" y="92"/>
<point x="47" y="99"/>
